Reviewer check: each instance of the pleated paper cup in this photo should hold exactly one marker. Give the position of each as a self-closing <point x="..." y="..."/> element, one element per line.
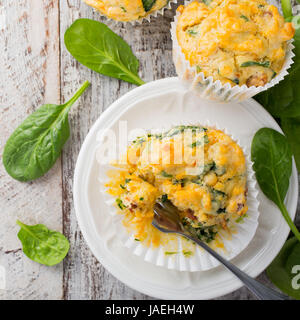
<point x="209" y="89"/>
<point x="200" y="260"/>
<point x="138" y="21"/>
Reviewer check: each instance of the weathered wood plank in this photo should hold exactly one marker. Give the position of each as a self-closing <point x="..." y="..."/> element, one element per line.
<point x="29" y="76"/>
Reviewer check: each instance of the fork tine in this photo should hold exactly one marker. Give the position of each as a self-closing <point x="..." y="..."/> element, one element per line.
<point x="164" y="218"/>
<point x="163" y="213"/>
<point x="168" y="205"/>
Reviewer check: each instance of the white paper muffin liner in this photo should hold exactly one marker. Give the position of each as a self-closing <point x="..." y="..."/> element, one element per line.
<point x="201" y="260"/>
<point x="139" y="21"/>
<point x="209" y="89"/>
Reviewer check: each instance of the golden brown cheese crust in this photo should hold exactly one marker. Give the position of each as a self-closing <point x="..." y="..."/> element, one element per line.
<point x="204" y="177"/>
<point x="124" y="10"/>
<point x="234" y="41"/>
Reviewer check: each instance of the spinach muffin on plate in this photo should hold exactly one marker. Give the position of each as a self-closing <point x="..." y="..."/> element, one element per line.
<point x="127" y="10"/>
<point x="240" y="42"/>
<point x="204" y="177"/>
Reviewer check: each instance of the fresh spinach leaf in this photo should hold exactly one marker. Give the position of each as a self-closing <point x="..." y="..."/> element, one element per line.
<point x="283" y="100"/>
<point x="94" y="45"/>
<point x="281" y="271"/>
<point x="43" y="245"/>
<point x="291" y="128"/>
<point x="286" y="8"/>
<point x="35" y="145"/>
<point x="272" y="159"/>
<point x="148" y="4"/>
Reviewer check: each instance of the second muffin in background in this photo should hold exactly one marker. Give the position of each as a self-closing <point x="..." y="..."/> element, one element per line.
<point x="127" y="10"/>
<point x="241" y="43"/>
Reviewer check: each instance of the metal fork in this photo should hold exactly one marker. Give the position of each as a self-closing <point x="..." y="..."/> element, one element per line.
<point x="167" y="220"/>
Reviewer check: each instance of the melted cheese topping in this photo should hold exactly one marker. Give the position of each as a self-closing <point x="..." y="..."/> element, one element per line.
<point x="124" y="10"/>
<point x="234" y="41"/>
<point x="202" y="171"/>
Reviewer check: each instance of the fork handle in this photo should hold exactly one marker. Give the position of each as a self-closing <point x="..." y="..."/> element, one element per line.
<point x="258" y="289"/>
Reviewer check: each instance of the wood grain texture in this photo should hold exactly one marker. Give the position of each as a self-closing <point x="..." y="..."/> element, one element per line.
<point x="36" y="68"/>
<point x="29" y="76"/>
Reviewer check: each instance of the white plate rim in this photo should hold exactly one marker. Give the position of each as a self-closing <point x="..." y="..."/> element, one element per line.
<point x="81" y="206"/>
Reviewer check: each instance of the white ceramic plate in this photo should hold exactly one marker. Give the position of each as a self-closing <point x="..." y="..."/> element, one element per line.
<point x="91" y="211"/>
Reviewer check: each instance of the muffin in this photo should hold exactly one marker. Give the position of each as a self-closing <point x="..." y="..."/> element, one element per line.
<point x="240" y="42"/>
<point x="202" y="171"/>
<point x="127" y="10"/>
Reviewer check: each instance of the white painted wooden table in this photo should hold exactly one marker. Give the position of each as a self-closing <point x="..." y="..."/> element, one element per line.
<point x="36" y="68"/>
